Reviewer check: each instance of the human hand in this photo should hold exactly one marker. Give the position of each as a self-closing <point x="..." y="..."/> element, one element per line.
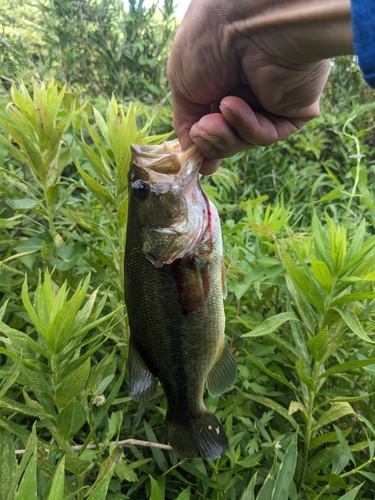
<point x="252" y="72"/>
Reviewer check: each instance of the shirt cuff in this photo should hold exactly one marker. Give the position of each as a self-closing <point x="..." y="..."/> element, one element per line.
<point x="363" y="23"/>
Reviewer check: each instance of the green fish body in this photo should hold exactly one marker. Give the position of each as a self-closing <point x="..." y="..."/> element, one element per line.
<point x="174" y="291"/>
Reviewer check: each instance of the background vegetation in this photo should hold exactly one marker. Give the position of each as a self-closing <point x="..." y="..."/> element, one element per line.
<point x="297" y="221"/>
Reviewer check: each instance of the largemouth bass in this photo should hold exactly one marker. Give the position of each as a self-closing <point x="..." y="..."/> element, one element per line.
<point x="174" y="290"/>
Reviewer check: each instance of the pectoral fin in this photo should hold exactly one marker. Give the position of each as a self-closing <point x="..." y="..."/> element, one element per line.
<point x="223" y="373"/>
<point x="143" y="384"/>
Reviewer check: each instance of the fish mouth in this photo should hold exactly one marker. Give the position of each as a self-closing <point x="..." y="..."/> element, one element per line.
<point x="167" y="158"/>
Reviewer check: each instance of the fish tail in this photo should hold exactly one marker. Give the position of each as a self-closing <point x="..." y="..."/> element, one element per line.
<point x="200" y="436"/>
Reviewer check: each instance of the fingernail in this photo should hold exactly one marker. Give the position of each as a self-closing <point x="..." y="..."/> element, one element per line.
<point x="227" y="113"/>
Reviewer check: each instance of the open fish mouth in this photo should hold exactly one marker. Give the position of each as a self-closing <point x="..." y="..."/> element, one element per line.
<point x="167" y="158"/>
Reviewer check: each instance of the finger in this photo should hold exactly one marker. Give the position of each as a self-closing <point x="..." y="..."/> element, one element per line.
<point x="185" y="114"/>
<point x="216" y="138"/>
<point x="259" y="127"/>
<point x="223" y="135"/>
<point x="209" y="166"/>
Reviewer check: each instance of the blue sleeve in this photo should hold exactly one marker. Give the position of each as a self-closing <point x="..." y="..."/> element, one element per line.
<point x="363" y="23"/>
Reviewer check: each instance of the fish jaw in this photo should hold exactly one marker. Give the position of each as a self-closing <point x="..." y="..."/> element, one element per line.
<point x="174" y="217"/>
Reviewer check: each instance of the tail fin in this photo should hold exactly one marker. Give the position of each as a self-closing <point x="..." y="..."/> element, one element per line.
<point x="200" y="436"/>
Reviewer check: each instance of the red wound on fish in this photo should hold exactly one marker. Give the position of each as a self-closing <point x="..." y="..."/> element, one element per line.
<point x="192" y="280"/>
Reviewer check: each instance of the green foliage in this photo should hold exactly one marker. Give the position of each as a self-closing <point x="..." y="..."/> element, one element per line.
<point x="98" y="46"/>
<point x="297" y="223"/>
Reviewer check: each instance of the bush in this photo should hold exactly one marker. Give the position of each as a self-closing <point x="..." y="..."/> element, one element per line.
<point x="297" y="222"/>
<point x="97" y="47"/>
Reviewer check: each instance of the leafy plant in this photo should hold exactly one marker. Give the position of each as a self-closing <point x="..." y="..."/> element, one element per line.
<point x="97" y="47"/>
<point x="297" y="223"/>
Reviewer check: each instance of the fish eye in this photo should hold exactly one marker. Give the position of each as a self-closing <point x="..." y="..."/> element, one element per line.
<point x="140" y="189"/>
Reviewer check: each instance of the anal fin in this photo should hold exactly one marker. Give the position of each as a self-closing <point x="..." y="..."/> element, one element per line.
<point x="224" y="372"/>
<point x="143" y="384"/>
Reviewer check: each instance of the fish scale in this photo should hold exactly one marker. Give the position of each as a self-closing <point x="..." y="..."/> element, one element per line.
<point x="174" y="296"/>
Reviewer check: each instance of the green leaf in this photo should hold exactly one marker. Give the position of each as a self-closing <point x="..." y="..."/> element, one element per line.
<point x="302" y="372"/>
<point x="61" y="329"/>
<point x="44" y="122"/>
<point x="352" y="297"/>
<point x="9" y="381"/>
<point x="265" y="493"/>
<point x="368" y="423"/>
<point x="22" y="203"/>
<point x="286" y="472"/>
<point x="20" y="339"/>
<point x="270" y="403"/>
<point x="368" y="475"/>
<point x="31" y="311"/>
<point x="8" y="463"/>
<point x="356" y="241"/>
<point x="16" y="429"/>
<point x="104" y="409"/>
<point x="272" y="374"/>
<point x="192" y="469"/>
<point x="303" y="282"/>
<point x="72" y="385"/>
<point x="271" y="324"/>
<point x="341" y="454"/>
<point x="125" y="472"/>
<point x="95" y="161"/>
<point x="317" y="346"/>
<point x="348" y="366"/>
<point x="185" y="494"/>
<point x="35" y="159"/>
<point x="30" y="451"/>
<point x="328" y="437"/>
<point x="353" y="323"/>
<point x="14" y="406"/>
<point x="351" y="495"/>
<point x="71" y="419"/>
<point x="101" y="193"/>
<point x="10" y="221"/>
<point x="155" y="490"/>
<point x="77" y="465"/>
<point x="28" y="487"/>
<point x="107" y="467"/>
<point x="337" y="481"/>
<point x="69" y="255"/>
<point x="157" y="453"/>
<point x="321" y="273"/>
<point x="33" y="244"/>
<point x="57" y="487"/>
<point x="333" y="194"/>
<point x="249" y="493"/>
<point x="336" y="411"/>
<point x="100" y="491"/>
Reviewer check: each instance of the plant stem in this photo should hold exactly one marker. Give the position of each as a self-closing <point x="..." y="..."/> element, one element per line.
<point x="51" y="225"/>
<point x="308" y="430"/>
<point x="307" y="438"/>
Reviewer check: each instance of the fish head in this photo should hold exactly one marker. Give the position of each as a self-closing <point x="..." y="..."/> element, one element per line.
<point x="169" y="206"/>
